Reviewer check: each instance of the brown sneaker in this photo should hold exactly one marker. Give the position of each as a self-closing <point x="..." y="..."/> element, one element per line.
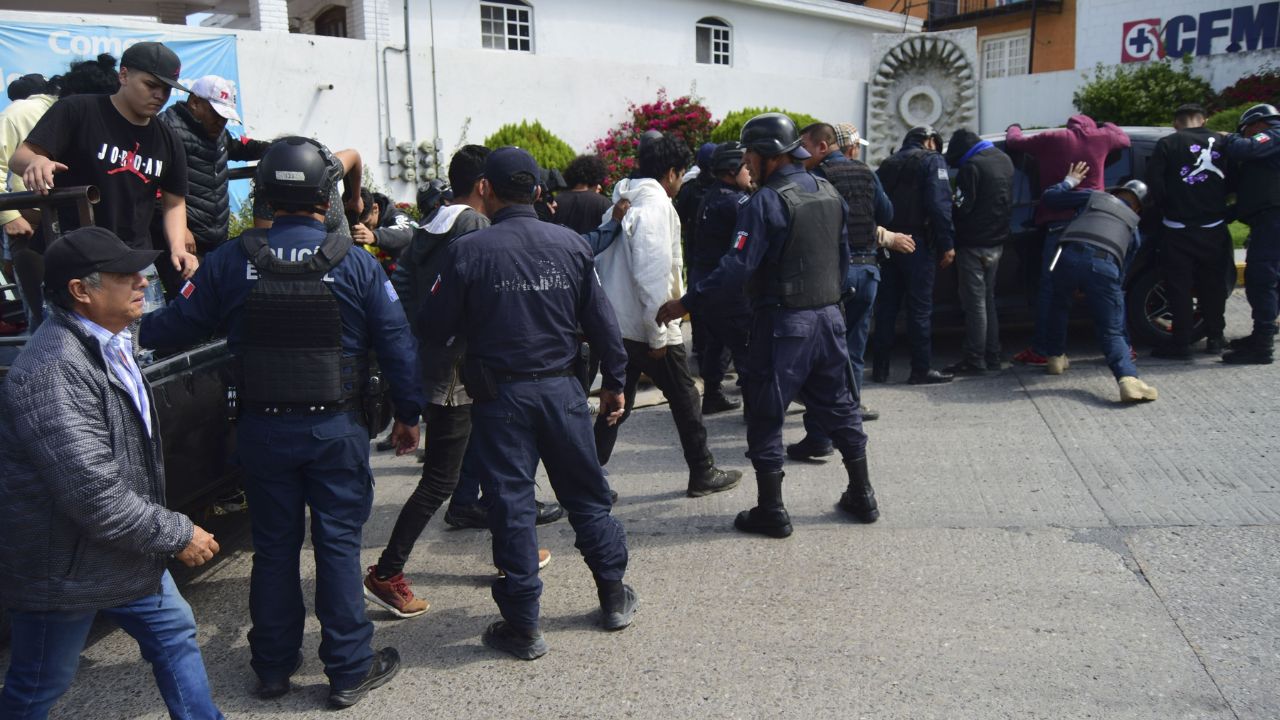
<point x="544" y="559"/>
<point x="394" y="594"/>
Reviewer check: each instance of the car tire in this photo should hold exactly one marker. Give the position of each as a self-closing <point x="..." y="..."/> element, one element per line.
<point x="1148" y="314"/>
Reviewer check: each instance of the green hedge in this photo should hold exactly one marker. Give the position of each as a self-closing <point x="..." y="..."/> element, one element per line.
<point x="1141" y="93"/>
<point x="731" y="127"/>
<point x="1226" y="120"/>
<point x="549" y="150"/>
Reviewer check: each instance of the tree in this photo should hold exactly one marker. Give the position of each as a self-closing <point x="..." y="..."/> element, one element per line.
<point x="547" y="149"/>
<point x="731" y="127"/>
<point x="1141" y="93"/>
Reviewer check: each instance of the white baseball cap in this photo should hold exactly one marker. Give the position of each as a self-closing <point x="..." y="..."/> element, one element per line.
<point x="220" y="93"/>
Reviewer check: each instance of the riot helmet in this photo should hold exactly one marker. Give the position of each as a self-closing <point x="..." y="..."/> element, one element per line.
<point x="727" y="157"/>
<point x="1135" y="188"/>
<point x="772" y="134"/>
<point x="295" y="171"/>
<point x="1258" y="113"/>
<point x="431" y="196"/>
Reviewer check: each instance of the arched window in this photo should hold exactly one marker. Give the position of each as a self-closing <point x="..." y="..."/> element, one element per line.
<point x="332" y="22"/>
<point x="506" y="25"/>
<point x="715" y="42"/>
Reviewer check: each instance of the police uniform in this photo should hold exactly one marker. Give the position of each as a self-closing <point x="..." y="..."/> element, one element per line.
<point x="728" y="319"/>
<point x="789" y="253"/>
<point x="308" y="451"/>
<point x="916" y="181"/>
<point x="1258" y="205"/>
<point x="516" y="292"/>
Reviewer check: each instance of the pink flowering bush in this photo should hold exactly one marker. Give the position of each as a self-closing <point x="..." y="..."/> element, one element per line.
<point x="685" y="118"/>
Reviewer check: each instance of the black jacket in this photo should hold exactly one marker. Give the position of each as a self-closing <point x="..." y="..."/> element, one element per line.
<point x="983" y="196"/>
<point x="1187" y="176"/>
<point x="208" y="210"/>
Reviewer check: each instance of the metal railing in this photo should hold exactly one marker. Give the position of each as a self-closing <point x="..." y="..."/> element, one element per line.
<point x="943" y="9"/>
<point x="84" y="197"/>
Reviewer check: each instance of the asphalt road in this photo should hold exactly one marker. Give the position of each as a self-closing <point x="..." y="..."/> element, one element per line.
<point x="1044" y="552"/>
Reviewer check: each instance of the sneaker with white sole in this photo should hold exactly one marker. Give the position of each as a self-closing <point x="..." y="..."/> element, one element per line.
<point x="394" y="594"/>
<point x="1056" y="364"/>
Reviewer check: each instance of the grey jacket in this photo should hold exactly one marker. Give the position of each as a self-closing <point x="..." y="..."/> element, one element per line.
<point x="82" y="485"/>
<point x="413" y="278"/>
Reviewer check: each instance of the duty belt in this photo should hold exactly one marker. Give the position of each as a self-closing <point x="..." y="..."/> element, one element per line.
<point x="862" y="259"/>
<point x="294" y="409"/>
<point x="507" y="377"/>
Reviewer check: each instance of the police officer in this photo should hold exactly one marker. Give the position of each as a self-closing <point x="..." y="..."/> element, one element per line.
<point x="1257" y="150"/>
<point x="916" y="180"/>
<point x="1092" y="254"/>
<point x="302" y="312"/>
<point x="728" y="321"/>
<point x="516" y="292"/>
<point x="789" y="253"/>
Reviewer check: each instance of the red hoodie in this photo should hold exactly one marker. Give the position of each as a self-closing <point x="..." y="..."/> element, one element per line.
<point x="1055" y="150"/>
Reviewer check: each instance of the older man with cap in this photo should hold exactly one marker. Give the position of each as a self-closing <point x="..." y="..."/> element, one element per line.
<point x="82" y="483"/>
<point x="111" y="142"/>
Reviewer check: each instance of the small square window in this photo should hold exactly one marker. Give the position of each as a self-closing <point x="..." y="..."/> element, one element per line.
<point x="714" y="42"/>
<point x="506" y="24"/>
<point x="1005" y="56"/>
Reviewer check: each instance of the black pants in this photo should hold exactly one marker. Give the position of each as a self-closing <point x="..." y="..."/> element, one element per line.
<point x="1195" y="265"/>
<point x="448" y="429"/>
<point x="671" y="375"/>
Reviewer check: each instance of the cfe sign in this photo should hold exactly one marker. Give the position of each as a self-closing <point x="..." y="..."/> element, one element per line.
<point x="1248" y="27"/>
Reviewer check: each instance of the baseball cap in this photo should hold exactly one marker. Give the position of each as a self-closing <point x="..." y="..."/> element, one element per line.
<point x="154" y="58"/>
<point x="847" y="134"/>
<point x="504" y="163"/>
<point x="88" y="250"/>
<point x="220" y="93"/>
<point x="26" y="86"/>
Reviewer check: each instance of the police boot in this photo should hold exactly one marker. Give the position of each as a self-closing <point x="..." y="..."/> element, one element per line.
<point x="712" y="480"/>
<point x="618" y="603"/>
<point x="879" y="368"/>
<point x="1250" y="350"/>
<point x="768" y="517"/>
<point x="1133" y="389"/>
<point x="859" y="500"/>
<point x="714" y="401"/>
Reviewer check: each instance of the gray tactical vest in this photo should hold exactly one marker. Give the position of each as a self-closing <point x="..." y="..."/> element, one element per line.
<point x="1106" y="222"/>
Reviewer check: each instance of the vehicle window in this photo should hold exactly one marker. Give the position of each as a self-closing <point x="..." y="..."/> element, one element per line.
<point x="1119" y="167"/>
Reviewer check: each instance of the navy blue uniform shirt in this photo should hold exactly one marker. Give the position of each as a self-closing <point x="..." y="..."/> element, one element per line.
<point x="762" y="230"/>
<point x="517" y="291"/>
<point x="371" y="312"/>
<point x="716" y="224"/>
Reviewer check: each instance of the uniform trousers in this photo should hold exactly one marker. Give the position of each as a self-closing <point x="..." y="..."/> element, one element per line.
<point x="1262" y="272"/>
<point x="547" y="420"/>
<point x="862" y="282"/>
<point x="911" y="277"/>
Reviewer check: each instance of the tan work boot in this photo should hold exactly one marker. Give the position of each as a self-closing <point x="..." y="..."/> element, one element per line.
<point x="1134" y="390"/>
<point x="1056" y="364"/>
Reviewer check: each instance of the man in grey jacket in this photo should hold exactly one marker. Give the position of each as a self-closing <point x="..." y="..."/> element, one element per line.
<point x="82" y="484"/>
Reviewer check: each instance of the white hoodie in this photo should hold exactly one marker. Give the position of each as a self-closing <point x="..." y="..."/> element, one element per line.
<point x="641" y="270"/>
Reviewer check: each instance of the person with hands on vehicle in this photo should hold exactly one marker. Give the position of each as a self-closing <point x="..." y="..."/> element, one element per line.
<point x="789" y="255"/>
<point x="517" y="292"/>
<point x="82" y="481"/>
<point x="1091" y="256"/>
<point x="297" y="298"/>
<point x="1256" y="150"/>
<point x="115" y="143"/>
<point x="916" y="180"/>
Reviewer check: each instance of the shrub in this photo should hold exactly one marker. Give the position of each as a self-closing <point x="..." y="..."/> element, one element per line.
<point x="1226" y="120"/>
<point x="730" y="128"/>
<point x="1140" y="93"/>
<point x="685" y="118"/>
<point x="1261" y="87"/>
<point x="549" y="150"/>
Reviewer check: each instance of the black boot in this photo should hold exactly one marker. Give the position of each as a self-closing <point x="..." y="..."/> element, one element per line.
<point x="712" y="480"/>
<point x="768" y="517"/>
<point x="1252" y="350"/>
<point x="859" y="500"/>
<point x="879" y="368"/>
<point x="714" y="401"/>
<point x="618" y="603"/>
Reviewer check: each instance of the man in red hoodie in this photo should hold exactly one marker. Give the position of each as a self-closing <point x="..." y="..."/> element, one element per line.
<point x="1082" y="140"/>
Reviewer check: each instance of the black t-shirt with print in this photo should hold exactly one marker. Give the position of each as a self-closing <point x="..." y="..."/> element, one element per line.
<point x="128" y="163"/>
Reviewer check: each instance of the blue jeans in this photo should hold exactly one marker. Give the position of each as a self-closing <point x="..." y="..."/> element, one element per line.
<point x="545" y="420"/>
<point x="862" y="281"/>
<point x="45" y="653"/>
<point x="1099" y="278"/>
<point x="1044" y="291"/>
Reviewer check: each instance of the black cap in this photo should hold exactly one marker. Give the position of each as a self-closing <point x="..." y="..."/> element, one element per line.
<point x="88" y="250"/>
<point x="26" y="86"/>
<point x="504" y="163"/>
<point x="154" y="58"/>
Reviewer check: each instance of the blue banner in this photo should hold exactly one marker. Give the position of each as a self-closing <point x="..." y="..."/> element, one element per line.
<point x="50" y="50"/>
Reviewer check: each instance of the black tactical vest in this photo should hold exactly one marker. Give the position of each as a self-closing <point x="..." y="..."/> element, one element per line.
<point x="291" y="349"/>
<point x="855" y="183"/>
<point x="1259" y="185"/>
<point x="1106" y="223"/>
<point x="902" y="176"/>
<point x="808" y="273"/>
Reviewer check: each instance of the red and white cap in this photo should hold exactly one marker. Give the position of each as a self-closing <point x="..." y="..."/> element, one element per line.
<point x="220" y="93"/>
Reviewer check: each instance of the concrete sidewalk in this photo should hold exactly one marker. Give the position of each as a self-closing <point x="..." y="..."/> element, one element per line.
<point x="1044" y="552"/>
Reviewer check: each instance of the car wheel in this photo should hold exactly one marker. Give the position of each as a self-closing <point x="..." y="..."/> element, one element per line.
<point x="1149" y="314"/>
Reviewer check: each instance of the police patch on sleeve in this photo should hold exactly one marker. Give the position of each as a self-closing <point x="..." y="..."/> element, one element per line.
<point x="1262" y="138"/>
<point x="392" y="295"/>
<point x="740" y="243"/>
<point x="188" y="289"/>
<point x="942" y="174"/>
<point x="435" y="286"/>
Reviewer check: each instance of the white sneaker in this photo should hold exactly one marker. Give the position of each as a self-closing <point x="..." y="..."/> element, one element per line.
<point x="1133" y="389"/>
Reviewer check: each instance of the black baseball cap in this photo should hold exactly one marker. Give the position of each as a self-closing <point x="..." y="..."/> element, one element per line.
<point x="88" y="250"/>
<point x="154" y="58"/>
<point x="504" y="163"/>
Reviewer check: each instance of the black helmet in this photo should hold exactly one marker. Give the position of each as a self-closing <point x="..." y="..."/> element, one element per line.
<point x="431" y="196"/>
<point x="772" y="134"/>
<point x="295" y="170"/>
<point x="727" y="157"/>
<point x="922" y="133"/>
<point x="1257" y="113"/>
